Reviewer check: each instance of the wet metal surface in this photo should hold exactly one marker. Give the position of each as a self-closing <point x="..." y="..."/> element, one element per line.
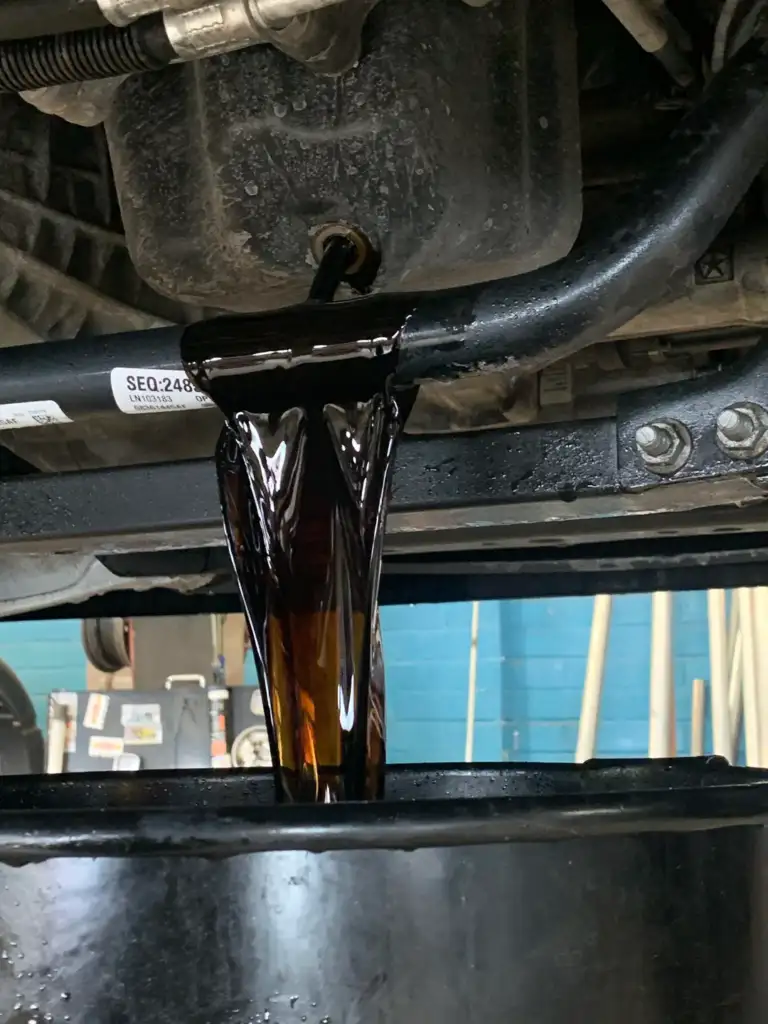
<point x="653" y="927"/>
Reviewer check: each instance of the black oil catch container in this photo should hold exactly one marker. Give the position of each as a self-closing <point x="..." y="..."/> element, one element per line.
<point x="631" y="893"/>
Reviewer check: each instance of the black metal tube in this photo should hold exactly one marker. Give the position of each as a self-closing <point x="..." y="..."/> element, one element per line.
<point x="527" y="322"/>
<point x="87" y="55"/>
<point x="76" y="374"/>
<point x="23" y="19"/>
<point x="521" y="323"/>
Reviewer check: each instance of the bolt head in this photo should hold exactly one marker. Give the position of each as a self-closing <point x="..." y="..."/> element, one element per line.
<point x="652" y="440"/>
<point x="742" y="430"/>
<point x="729" y="421"/>
<point x="664" y="445"/>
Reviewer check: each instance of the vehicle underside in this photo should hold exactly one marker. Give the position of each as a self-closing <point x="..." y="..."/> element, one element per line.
<point x="563" y="202"/>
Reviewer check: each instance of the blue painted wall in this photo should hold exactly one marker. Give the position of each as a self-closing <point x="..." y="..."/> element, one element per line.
<point x="531" y="661"/>
<point x="45" y="656"/>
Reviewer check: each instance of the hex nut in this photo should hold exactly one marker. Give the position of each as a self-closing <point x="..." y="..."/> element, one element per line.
<point x="664" y="446"/>
<point x="742" y="430"/>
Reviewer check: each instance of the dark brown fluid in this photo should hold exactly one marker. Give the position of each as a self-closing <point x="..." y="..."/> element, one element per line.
<point x="304" y="491"/>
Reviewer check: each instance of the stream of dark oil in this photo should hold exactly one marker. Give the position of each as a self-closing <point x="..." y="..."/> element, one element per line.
<point x="304" y="490"/>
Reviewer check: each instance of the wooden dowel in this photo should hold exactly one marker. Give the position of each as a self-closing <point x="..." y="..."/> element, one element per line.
<point x="593" y="678"/>
<point x="759" y="622"/>
<point x="749" y="655"/>
<point x="697" y="717"/>
<point x="57" y="739"/>
<point x="718" y="674"/>
<point x="661" y="716"/>
<point x="736" y="691"/>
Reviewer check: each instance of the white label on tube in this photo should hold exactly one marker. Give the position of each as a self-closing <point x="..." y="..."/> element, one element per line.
<point x="16" y="415"/>
<point x="138" y="392"/>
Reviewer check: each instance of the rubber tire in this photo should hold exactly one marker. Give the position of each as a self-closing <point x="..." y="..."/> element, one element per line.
<point x="25" y="745"/>
<point x="104" y="643"/>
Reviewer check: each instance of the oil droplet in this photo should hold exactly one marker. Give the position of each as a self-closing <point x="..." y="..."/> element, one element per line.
<point x="293" y="1000"/>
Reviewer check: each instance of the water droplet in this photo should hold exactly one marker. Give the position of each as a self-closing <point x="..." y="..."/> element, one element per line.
<point x="17" y="1006"/>
<point x="65" y="996"/>
<point x="280" y="109"/>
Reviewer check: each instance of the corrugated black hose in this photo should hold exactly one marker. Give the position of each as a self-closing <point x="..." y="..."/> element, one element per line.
<point x="86" y="55"/>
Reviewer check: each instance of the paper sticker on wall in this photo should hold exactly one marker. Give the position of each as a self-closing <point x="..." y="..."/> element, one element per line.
<point x="140" y="714"/>
<point x="142" y="724"/>
<point x="96" y="711"/>
<point x="142" y="735"/>
<point x="105" y="746"/>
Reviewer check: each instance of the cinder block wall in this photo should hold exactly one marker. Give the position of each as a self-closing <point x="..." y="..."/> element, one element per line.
<point x="531" y="660"/>
<point x="544" y="646"/>
<point x="45" y="656"/>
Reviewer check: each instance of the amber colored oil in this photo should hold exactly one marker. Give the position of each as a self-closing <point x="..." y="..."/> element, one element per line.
<point x="304" y="496"/>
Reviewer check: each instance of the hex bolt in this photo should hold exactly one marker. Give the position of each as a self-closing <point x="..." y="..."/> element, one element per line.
<point x="735" y="425"/>
<point x="742" y="430"/>
<point x="664" y="445"/>
<point x="653" y="441"/>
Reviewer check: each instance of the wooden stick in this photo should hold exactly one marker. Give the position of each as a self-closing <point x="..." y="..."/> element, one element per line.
<point x="57" y="739"/>
<point x="736" y="690"/>
<point x="698" y="696"/>
<point x="759" y="620"/>
<point x="469" y="743"/>
<point x="718" y="677"/>
<point x="733" y="629"/>
<point x="661" y="717"/>
<point x="593" y="678"/>
<point x="751" y="720"/>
